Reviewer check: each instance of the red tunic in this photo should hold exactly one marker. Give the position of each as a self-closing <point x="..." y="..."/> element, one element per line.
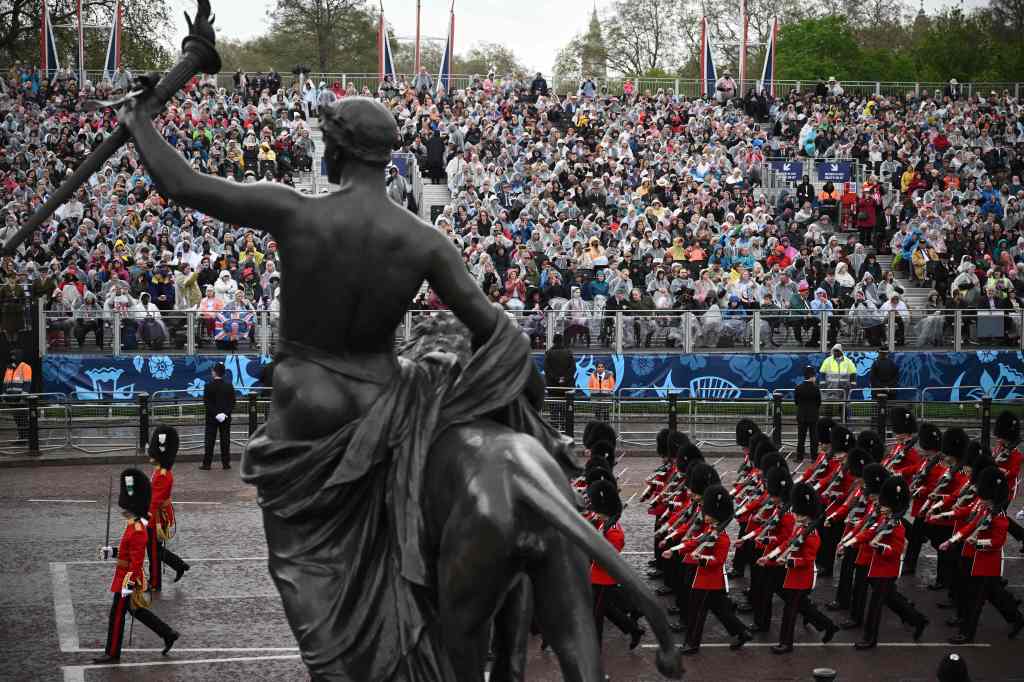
<point x="1010" y="463"/>
<point x="161" y="511"/>
<point x="801" y="573"/>
<point x="888" y="561"/>
<point x="927" y="488"/>
<point x="780" y="534"/>
<point x="808" y="472"/>
<point x="909" y="465"/>
<point x="711" y="571"/>
<point x="598" y="576"/>
<point x="130" y="555"/>
<point x="988" y="561"/>
<point x="950" y="492"/>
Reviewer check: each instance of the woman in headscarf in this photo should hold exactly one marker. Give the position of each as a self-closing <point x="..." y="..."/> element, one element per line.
<point x="643" y="326"/>
<point x="577" y="318"/>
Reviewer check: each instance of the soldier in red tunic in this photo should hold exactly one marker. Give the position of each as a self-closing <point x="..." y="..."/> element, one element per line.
<point x="904" y="459"/>
<point x="770" y="528"/>
<point x="1008" y="457"/>
<point x="609" y="602"/>
<point x="163" y="449"/>
<point x="933" y="443"/>
<point x="841" y="517"/>
<point x="129" y="583"/>
<point x="887" y="545"/>
<point x="983" y="537"/>
<point x="830" y="482"/>
<point x="749" y="494"/>
<point x="709" y="591"/>
<point x="795" y="557"/>
<point x="857" y="540"/>
<point x="939" y="521"/>
<point x="689" y="525"/>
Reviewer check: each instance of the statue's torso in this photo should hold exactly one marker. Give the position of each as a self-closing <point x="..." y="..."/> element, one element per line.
<point x="350" y="272"/>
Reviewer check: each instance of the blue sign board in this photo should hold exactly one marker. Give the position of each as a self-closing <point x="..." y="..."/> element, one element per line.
<point x="792" y="171"/>
<point x="836" y="171"/>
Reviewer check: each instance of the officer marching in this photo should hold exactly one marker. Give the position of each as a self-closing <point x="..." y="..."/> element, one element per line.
<point x="163" y="449"/>
<point x="129" y="583"/>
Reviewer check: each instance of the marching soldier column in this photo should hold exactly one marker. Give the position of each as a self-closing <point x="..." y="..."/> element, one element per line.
<point x="869" y="506"/>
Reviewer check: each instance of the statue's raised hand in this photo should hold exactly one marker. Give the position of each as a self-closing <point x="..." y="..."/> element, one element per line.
<point x="202" y="27"/>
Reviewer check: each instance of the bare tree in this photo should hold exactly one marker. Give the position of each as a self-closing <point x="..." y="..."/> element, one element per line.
<point x="642" y="35"/>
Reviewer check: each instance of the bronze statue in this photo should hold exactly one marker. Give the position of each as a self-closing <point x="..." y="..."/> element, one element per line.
<point x="410" y="502"/>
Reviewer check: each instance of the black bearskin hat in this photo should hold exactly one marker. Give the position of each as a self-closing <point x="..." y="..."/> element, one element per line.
<point x="598" y="472"/>
<point x="895" y="494"/>
<point x="778" y="482"/>
<point x="135" y="493"/>
<point x="677" y="440"/>
<point x="804" y="501"/>
<point x="1008" y="427"/>
<point x="825" y="425"/>
<point x="978" y="464"/>
<point x="745" y="430"/>
<point x="604" y="498"/>
<point x="954" y="443"/>
<point x="856" y="460"/>
<point x="701" y="476"/>
<point x="874" y="476"/>
<point x="993" y="486"/>
<point x="596" y="431"/>
<point x="688" y="455"/>
<point x="661" y="442"/>
<point x="763" y="447"/>
<point x="755" y="446"/>
<point x="717" y="503"/>
<point x="163" y="445"/>
<point x="773" y="460"/>
<point x="605" y="450"/>
<point x="902" y="421"/>
<point x="975" y="450"/>
<point x="929" y="437"/>
<point x="872" y="444"/>
<point x="842" y="438"/>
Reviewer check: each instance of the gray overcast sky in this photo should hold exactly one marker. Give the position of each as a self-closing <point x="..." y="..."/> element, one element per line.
<point x="534" y="29"/>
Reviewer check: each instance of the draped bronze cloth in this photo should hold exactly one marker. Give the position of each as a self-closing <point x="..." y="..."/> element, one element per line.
<point x="343" y="514"/>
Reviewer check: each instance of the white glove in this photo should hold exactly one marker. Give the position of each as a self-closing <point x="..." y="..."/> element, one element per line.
<point x="221" y="417"/>
<point x="126" y="592"/>
<point x="106" y="553"/>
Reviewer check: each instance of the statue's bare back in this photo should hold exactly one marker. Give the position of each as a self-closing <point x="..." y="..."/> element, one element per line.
<point x="352" y="263"/>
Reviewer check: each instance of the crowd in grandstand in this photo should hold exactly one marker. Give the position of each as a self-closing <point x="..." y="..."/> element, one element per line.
<point x="583" y="203"/>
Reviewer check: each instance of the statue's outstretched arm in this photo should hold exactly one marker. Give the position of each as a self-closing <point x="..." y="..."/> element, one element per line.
<point x="458" y="290"/>
<point x="266" y="206"/>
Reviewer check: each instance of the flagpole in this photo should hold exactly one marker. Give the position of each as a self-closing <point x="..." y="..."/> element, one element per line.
<point x="380" y="45"/>
<point x="743" y="43"/>
<point x="81" y="48"/>
<point x="703" y="54"/>
<point x="416" y="66"/>
<point x="42" y="39"/>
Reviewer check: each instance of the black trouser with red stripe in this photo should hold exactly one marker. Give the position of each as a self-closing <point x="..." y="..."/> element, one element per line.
<point x="716" y="601"/>
<point x="991" y="589"/>
<point x="884" y="593"/>
<point x="744" y="555"/>
<point x="844" y="586"/>
<point x="830" y="536"/>
<point x="611" y="603"/>
<point x="915" y="541"/>
<point x="158" y="554"/>
<point x="946" y="559"/>
<point x="860" y="592"/>
<point x="799" y="602"/>
<point x="115" y="628"/>
<point x="771" y="581"/>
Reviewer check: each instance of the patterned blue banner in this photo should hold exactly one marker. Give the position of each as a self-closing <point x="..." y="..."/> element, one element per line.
<point x="94" y="377"/>
<point x="969" y="376"/>
<point x="980" y="373"/>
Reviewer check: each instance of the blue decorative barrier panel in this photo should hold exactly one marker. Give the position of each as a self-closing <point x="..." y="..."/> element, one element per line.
<point x="980" y="373"/>
<point x="98" y="377"/>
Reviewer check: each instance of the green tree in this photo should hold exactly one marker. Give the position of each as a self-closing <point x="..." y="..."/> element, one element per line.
<point x="818" y="48"/>
<point x="322" y="25"/>
<point x="485" y="58"/>
<point x="641" y="35"/>
<point x="568" y="66"/>
<point x="145" y="35"/>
